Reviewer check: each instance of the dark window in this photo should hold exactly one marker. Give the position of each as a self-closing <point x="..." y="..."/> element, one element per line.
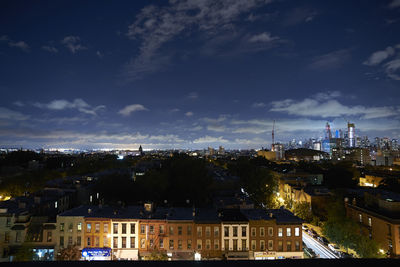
<point x="123" y="228"/>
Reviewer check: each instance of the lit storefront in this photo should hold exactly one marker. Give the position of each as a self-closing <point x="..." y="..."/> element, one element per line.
<point x="96" y="254"/>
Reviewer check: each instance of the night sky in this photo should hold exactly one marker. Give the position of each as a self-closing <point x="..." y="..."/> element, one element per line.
<point x="193" y="73"/>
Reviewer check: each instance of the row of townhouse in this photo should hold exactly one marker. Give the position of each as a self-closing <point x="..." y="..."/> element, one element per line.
<point x="136" y="232"/>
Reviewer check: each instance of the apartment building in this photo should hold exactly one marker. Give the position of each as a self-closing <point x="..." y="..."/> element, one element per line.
<point x="208" y="234"/>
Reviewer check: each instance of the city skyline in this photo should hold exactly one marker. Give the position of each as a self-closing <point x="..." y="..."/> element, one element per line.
<point x="194" y="74"/>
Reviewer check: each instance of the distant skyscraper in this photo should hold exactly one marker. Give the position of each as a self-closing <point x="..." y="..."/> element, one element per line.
<point x="351" y="134"/>
<point x="328" y="133"/>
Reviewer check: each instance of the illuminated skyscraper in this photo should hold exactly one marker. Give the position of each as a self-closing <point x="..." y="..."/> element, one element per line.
<point x="351" y="134"/>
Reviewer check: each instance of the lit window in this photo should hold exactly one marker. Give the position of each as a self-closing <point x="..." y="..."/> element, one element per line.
<point x="199" y="243"/>
<point x="151" y="229"/>
<point x="216" y="231"/>
<point x="133" y="242"/>
<point x="79" y="227"/>
<point x="97" y="227"/>
<point x="280" y="232"/>
<point x="360" y="217"/>
<point x="297" y="231"/>
<point x="288" y="231"/>
<point x="105" y="228"/>
<point x="369" y="221"/>
<point x="132" y="228"/>
<point x="199" y="231"/>
<point x="88" y="227"/>
<point x="253" y="245"/>
<point x="208" y="231"/>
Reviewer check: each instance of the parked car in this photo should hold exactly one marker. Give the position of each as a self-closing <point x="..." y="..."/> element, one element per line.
<point x="310" y="252"/>
<point x="334" y="248"/>
<point x="322" y="239"/>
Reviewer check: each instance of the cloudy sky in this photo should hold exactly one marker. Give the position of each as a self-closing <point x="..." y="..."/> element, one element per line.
<point x="196" y="73"/>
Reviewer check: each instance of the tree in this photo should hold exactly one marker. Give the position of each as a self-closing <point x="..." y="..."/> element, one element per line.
<point x="303" y="211"/>
<point x="156" y="256"/>
<point x="70" y="253"/>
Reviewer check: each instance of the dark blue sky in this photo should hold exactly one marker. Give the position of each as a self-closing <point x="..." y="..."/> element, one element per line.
<point x="193" y="73"/>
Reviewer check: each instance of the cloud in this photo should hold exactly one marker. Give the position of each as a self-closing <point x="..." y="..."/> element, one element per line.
<point x="9" y="114"/>
<point x="155" y="26"/>
<point x="126" y="111"/>
<point x="193" y="95"/>
<point x="393" y="69"/>
<point x="299" y="15"/>
<point x="78" y="104"/>
<point x="329" y="108"/>
<point x="19" y="103"/>
<point x="264" y="37"/>
<point x="50" y="49"/>
<point x="394" y="4"/>
<point x="174" y="110"/>
<point x="21" y="45"/>
<point x="72" y="43"/>
<point x="4" y="38"/>
<point x="328" y="95"/>
<point x="189" y="114"/>
<point x="331" y="60"/>
<point x="210" y="139"/>
<point x="99" y="54"/>
<point x="258" y="105"/>
<point x="379" y="56"/>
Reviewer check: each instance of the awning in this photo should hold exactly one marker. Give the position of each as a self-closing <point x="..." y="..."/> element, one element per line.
<point x="127" y="254"/>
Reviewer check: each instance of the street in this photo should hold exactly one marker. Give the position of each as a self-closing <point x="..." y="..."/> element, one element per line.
<point x="318" y="248"/>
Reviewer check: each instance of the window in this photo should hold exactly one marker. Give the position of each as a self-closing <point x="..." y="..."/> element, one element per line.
<point x="262" y="232"/>
<point x="78" y="240"/>
<point x="226" y="244"/>
<point x="179" y="230"/>
<point x="115" y="228"/>
<point x="151" y="229"/>
<point x="18" y="237"/>
<point x="262" y="245"/>
<point x="244" y="231"/>
<point x="61" y="241"/>
<point x="235" y="244"/>
<point x="253" y="245"/>
<point x="133" y="230"/>
<point x="189" y="244"/>
<point x="244" y="245"/>
<point x="270" y="231"/>
<point x="70" y="241"/>
<point x="123" y="226"/>
<point x="171" y="244"/>
<point x="179" y="244"/>
<point x="297" y="245"/>
<point x="297" y="231"/>
<point x="105" y="228"/>
<point x="7" y="237"/>
<point x="280" y="232"/>
<point x="79" y="227"/>
<point x="171" y="230"/>
<point x="189" y="230"/>
<point x="151" y="243"/>
<point x="70" y="227"/>
<point x="88" y="227"/>
<point x="115" y="242"/>
<point x="369" y="222"/>
<point x="360" y="217"/>
<point x="88" y="242"/>
<point x="97" y="227"/>
<point x="133" y="241"/>
<point x="161" y="243"/>
<point x="96" y="241"/>
<point x="143" y="243"/>
<point x="208" y="244"/>
<point x="288" y="231"/>
<point x="61" y="227"/>
<point x="8" y="222"/>
<point x="199" y="243"/>
<point x="216" y="244"/>
<point x="216" y="231"/>
<point x="288" y="246"/>
<point x="208" y="231"/>
<point x="270" y="244"/>
<point x="199" y="231"/>
<point x="226" y="231"/>
<point x="253" y="231"/>
<point x="235" y="231"/>
<point x="280" y="246"/>
<point x="142" y="229"/>
<point x="162" y="229"/>
<point x="105" y="241"/>
<point x="49" y="236"/>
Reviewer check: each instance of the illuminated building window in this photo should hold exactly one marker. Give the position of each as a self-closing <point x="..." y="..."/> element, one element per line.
<point x="143" y="243"/>
<point x="208" y="231"/>
<point x="280" y="246"/>
<point x="369" y="222"/>
<point x="226" y="244"/>
<point x="151" y="229"/>
<point x="297" y="231"/>
<point x="199" y="244"/>
<point x="288" y="246"/>
<point x="105" y="228"/>
<point x="61" y="227"/>
<point x="79" y="227"/>
<point x="288" y="232"/>
<point x="171" y="230"/>
<point x="162" y="229"/>
<point x="360" y="217"/>
<point x="199" y="231"/>
<point x="171" y="244"/>
<point x="133" y="242"/>
<point x="151" y="243"/>
<point x="115" y="228"/>
<point x="208" y="244"/>
<point x="97" y="227"/>
<point x="70" y="227"/>
<point x="297" y="245"/>
<point x="280" y="232"/>
<point x="115" y="242"/>
<point x="88" y="227"/>
<point x="133" y="228"/>
<point x="235" y="244"/>
<point x="7" y="237"/>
